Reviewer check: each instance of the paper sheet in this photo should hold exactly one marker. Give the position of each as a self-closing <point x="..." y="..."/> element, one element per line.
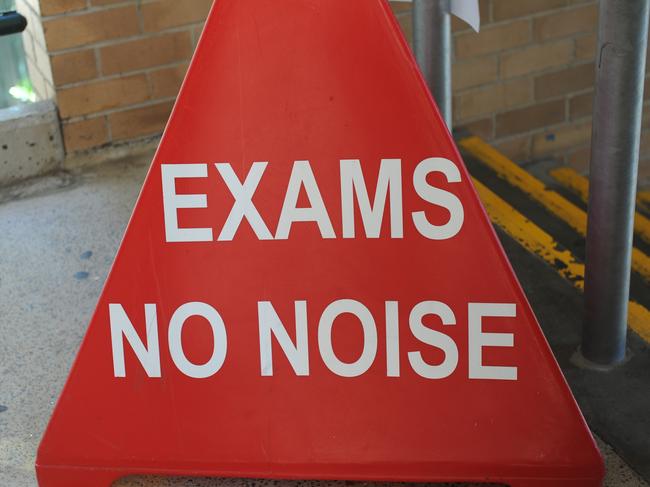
<point x="466" y="10"/>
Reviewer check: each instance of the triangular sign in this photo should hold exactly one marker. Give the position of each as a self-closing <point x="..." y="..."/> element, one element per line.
<point x="309" y="287"/>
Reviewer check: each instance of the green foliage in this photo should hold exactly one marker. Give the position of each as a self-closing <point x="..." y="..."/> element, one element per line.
<point x="23" y="91"/>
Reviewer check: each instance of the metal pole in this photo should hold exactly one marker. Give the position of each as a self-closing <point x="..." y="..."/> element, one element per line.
<point x="622" y="41"/>
<point x="432" y="45"/>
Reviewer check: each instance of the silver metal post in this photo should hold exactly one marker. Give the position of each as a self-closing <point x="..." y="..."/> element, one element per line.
<point x="622" y="41"/>
<point x="432" y="45"/>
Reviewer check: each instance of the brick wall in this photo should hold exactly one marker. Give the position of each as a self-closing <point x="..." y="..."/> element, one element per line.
<point x="524" y="83"/>
<point x="116" y="65"/>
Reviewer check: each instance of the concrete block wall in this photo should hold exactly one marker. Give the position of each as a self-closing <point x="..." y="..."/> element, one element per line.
<point x="525" y="83"/>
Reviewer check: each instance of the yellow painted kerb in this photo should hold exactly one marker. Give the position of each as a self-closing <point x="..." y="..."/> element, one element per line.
<point x="540" y="243"/>
<point x="579" y="184"/>
<point x="554" y="202"/>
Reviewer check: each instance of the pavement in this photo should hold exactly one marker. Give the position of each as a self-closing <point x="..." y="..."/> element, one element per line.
<point x="58" y="238"/>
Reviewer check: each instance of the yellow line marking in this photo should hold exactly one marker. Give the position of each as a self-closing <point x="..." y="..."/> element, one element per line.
<point x="575" y="217"/>
<point x="527" y="183"/>
<point x="540" y="243"/>
<point x="570" y="179"/>
<point x="530" y="236"/>
<point x="580" y="185"/>
<point x="638" y="318"/>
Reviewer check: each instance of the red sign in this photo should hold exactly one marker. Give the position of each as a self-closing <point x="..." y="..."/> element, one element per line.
<point x="309" y="286"/>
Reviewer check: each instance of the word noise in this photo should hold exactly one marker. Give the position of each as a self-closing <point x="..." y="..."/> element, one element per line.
<point x="297" y="353"/>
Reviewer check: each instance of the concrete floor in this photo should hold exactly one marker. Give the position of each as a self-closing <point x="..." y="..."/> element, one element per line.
<point x="58" y="237"/>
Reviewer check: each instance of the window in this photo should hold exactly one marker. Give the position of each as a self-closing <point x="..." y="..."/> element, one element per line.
<point x="15" y="86"/>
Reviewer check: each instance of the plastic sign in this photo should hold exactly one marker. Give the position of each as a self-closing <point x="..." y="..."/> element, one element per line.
<point x="309" y="287"/>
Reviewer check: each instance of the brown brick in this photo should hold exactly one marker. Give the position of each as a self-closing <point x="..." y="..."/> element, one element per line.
<point x="164" y="14"/>
<point x="515" y="148"/>
<point x="644" y="172"/>
<point x="197" y="30"/>
<point x="575" y="78"/>
<point x="77" y="30"/>
<point x="485" y="8"/>
<point x="581" y="106"/>
<point x="400" y="7"/>
<point x="102" y="95"/>
<point x="146" y="53"/>
<point x="459" y="26"/>
<point x="508" y="9"/>
<point x="474" y="72"/>
<point x="166" y="82"/>
<point x="493" y="98"/>
<point x="85" y="134"/>
<point x="566" y="23"/>
<point x="74" y="66"/>
<point x="536" y="58"/>
<point x="148" y="120"/>
<point x="105" y="2"/>
<point x="54" y="7"/>
<point x="483" y="128"/>
<point x="644" y="149"/>
<point x="645" y="117"/>
<point x="530" y="118"/>
<point x="578" y="159"/>
<point x="493" y="39"/>
<point x="586" y="47"/>
<point x="561" y="138"/>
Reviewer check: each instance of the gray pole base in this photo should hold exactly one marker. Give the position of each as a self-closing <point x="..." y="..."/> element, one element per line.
<point x="581" y="362"/>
